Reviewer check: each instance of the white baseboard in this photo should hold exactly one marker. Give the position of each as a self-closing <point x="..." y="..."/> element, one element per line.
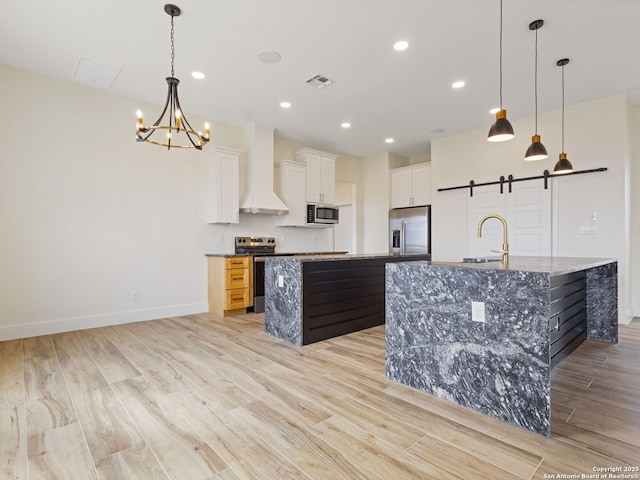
<point x="103" y="320"/>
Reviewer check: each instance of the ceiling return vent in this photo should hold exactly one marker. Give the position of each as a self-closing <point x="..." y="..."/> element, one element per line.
<point x="319" y="81"/>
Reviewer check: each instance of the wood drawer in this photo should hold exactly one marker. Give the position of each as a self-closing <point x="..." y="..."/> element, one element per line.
<point x="237" y="262"/>
<point x="237" y="278"/>
<point x="237" y="298"/>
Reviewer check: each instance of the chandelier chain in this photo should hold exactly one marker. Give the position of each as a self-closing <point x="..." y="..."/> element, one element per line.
<point x="173" y="49"/>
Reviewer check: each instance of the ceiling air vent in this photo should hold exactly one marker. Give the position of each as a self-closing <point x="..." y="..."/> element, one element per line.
<point x="319" y="81"/>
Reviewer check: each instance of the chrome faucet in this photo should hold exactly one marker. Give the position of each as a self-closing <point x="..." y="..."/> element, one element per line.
<point x="505" y="244"/>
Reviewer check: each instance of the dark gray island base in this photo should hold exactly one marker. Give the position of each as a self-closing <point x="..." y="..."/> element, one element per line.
<point x="536" y="312"/>
<point x="308" y="299"/>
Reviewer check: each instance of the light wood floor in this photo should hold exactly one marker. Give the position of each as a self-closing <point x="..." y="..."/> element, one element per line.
<point x="201" y="397"/>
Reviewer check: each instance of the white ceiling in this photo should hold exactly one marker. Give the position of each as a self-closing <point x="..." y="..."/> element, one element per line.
<point x="404" y="95"/>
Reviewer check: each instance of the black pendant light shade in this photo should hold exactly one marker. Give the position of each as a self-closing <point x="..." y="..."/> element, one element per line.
<point x="536" y="150"/>
<point x="563" y="165"/>
<point x="501" y="130"/>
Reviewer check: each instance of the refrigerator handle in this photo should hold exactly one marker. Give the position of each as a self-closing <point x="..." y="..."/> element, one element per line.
<point x="403" y="225"/>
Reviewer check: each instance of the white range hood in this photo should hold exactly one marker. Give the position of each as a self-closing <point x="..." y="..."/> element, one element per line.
<point x="259" y="196"/>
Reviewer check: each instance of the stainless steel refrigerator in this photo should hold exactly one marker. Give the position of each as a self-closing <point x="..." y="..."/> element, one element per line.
<point x="410" y="230"/>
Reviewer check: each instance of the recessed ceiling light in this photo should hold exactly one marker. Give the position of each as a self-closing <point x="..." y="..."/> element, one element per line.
<point x="345" y="125"/>
<point x="270" y="56"/>
<point x="438" y="130"/>
<point x="494" y="110"/>
<point x="198" y="75"/>
<point x="458" y="84"/>
<point x="401" y="45"/>
<point x="388" y="140"/>
<point x="285" y="104"/>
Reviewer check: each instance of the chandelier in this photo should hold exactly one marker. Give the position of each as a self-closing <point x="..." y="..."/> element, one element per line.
<point x="177" y="122"/>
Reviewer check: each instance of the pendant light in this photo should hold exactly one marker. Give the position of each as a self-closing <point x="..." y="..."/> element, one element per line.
<point x="536" y="150"/>
<point x="501" y="130"/>
<point x="563" y="165"/>
<point x="177" y="122"/>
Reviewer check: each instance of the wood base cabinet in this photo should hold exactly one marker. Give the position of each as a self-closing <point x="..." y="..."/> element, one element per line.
<point x="230" y="285"/>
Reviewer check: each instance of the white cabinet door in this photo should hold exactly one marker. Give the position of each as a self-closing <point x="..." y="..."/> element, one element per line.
<point x="421" y="184"/>
<point x="401" y="188"/>
<point x="224" y="195"/>
<point x="411" y="186"/>
<point x="321" y="175"/>
<point x="328" y="175"/>
<point x="314" y="178"/>
<point x="290" y="187"/>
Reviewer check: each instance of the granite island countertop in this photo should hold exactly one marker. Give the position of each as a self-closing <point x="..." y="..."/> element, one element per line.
<point x="276" y="254"/>
<point x="327" y="257"/>
<point x="486" y="336"/>
<point x="551" y="265"/>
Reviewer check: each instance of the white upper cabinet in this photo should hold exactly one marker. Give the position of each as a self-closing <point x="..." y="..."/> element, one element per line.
<point x="321" y="175"/>
<point x="411" y="186"/>
<point x="224" y="185"/>
<point x="290" y="187"/>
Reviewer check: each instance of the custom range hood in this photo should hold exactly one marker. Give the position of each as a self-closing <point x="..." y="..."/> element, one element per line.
<point x="259" y="196"/>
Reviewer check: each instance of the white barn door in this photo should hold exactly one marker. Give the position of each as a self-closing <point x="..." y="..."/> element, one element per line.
<point x="527" y="210"/>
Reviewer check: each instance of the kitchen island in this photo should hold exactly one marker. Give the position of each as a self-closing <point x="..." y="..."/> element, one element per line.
<point x="486" y="336"/>
<point x="311" y="298"/>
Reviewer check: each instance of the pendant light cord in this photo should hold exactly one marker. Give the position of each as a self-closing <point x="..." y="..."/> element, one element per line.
<point x="535" y="89"/>
<point x="173" y="50"/>
<point x="500" y="54"/>
<point x="562" y="108"/>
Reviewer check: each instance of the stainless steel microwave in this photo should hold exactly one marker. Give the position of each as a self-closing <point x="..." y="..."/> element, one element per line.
<point x="319" y="214"/>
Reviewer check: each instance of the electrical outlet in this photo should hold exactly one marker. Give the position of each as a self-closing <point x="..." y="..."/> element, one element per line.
<point x="477" y="311"/>
<point x="280" y="281"/>
<point x="134" y="295"/>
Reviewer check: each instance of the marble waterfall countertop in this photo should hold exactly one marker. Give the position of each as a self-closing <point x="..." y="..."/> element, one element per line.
<point x="498" y="361"/>
<point x="552" y="265"/>
<point x="282" y="254"/>
<point x="326" y="257"/>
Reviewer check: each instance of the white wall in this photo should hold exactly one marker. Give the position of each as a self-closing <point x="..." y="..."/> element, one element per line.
<point x="376" y="203"/>
<point x="89" y="215"/>
<point x="635" y="214"/>
<point x="597" y="135"/>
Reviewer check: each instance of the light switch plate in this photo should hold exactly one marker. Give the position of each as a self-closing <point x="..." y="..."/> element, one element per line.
<point x="477" y="311"/>
<point x="280" y="281"/>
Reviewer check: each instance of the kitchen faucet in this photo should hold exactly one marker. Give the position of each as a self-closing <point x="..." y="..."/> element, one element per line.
<point x="505" y="244"/>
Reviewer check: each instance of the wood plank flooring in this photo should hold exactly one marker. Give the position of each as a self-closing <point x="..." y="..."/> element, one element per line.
<point x="203" y="397"/>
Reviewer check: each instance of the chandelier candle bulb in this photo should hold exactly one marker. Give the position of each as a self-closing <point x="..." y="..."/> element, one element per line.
<point x="140" y="125"/>
<point x="178" y="119"/>
<point x="207" y="131"/>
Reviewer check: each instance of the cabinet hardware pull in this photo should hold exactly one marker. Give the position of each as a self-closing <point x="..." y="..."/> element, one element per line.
<point x="237" y="298"/>
<point x="558" y="323"/>
<point x="237" y="278"/>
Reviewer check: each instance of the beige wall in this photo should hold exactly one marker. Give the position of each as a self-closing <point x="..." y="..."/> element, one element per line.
<point x="635" y="213"/>
<point x="89" y="215"/>
<point x="597" y="135"/>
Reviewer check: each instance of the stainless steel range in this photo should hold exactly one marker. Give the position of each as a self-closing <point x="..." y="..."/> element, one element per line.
<point x="258" y="248"/>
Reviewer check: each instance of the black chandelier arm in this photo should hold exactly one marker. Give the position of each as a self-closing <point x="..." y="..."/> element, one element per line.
<point x="188" y="126"/>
